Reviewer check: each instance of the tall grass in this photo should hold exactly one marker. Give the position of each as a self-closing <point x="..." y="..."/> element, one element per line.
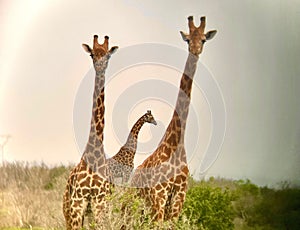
<point x="31" y="195"/>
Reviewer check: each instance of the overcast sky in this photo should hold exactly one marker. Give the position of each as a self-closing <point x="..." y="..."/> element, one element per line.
<point x="254" y="60"/>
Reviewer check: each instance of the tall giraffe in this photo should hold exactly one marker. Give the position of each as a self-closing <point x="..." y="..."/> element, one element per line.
<point x="88" y="182"/>
<point x="121" y="164"/>
<point x="162" y="177"/>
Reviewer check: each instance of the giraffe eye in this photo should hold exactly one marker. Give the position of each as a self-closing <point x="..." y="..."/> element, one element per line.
<point x="92" y="55"/>
<point x="203" y="41"/>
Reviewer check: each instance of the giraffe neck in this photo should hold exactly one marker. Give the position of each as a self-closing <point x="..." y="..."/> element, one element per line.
<point x="170" y="154"/>
<point x="131" y="142"/>
<point x="177" y="124"/>
<point x="94" y="152"/>
<point x="98" y="107"/>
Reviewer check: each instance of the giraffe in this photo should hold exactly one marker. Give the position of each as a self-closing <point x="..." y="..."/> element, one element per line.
<point x="88" y="182"/>
<point x="121" y="164"/>
<point x="162" y="178"/>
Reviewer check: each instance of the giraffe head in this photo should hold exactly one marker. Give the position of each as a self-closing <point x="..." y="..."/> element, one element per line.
<point x="148" y="117"/>
<point x="197" y="37"/>
<point x="99" y="51"/>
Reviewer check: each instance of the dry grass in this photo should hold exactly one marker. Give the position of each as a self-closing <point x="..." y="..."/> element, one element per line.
<point x="31" y="198"/>
<point x="31" y="195"/>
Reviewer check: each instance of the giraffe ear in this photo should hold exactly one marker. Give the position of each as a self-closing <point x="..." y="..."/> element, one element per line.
<point x="87" y="48"/>
<point x="113" y="49"/>
<point x="185" y="36"/>
<point x="210" y="34"/>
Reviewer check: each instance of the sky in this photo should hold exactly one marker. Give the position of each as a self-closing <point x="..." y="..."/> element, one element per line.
<point x="46" y="81"/>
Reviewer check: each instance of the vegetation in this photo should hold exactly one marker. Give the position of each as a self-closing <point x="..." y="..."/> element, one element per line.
<point x="31" y="197"/>
<point x="208" y="207"/>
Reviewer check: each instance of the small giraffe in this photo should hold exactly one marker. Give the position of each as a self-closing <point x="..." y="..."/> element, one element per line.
<point x="162" y="177"/>
<point x="121" y="164"/>
<point x="88" y="182"/>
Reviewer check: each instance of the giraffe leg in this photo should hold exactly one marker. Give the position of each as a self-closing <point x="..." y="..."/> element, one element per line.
<point x="177" y="205"/>
<point x="77" y="209"/>
<point x="99" y="208"/>
<point x="158" y="203"/>
<point x="66" y="209"/>
<point x="177" y="199"/>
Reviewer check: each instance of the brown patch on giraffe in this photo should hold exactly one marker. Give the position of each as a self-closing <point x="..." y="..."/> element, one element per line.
<point x="82" y="176"/>
<point x="99" y="102"/>
<point x="98" y="128"/>
<point x="85" y="183"/>
<point x="97" y="154"/>
<point x="172" y="140"/>
<point x="165" y="157"/>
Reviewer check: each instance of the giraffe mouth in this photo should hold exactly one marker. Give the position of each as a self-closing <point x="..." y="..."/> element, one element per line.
<point x="154" y="122"/>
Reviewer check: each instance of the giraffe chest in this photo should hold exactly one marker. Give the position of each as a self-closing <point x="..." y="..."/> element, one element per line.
<point x="88" y="185"/>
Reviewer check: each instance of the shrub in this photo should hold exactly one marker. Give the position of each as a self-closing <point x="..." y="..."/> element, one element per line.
<point x="208" y="208"/>
<point x="277" y="209"/>
<point x="127" y="210"/>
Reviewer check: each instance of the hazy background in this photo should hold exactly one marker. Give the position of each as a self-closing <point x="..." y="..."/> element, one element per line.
<point x="254" y="58"/>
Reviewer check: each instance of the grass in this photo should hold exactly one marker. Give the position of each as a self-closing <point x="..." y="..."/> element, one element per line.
<point x="31" y="198"/>
<point x="15" y="228"/>
<point x="31" y="195"/>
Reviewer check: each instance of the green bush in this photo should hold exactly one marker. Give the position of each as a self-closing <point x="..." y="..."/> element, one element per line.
<point x="209" y="208"/>
<point x="277" y="209"/>
<point x="247" y="195"/>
